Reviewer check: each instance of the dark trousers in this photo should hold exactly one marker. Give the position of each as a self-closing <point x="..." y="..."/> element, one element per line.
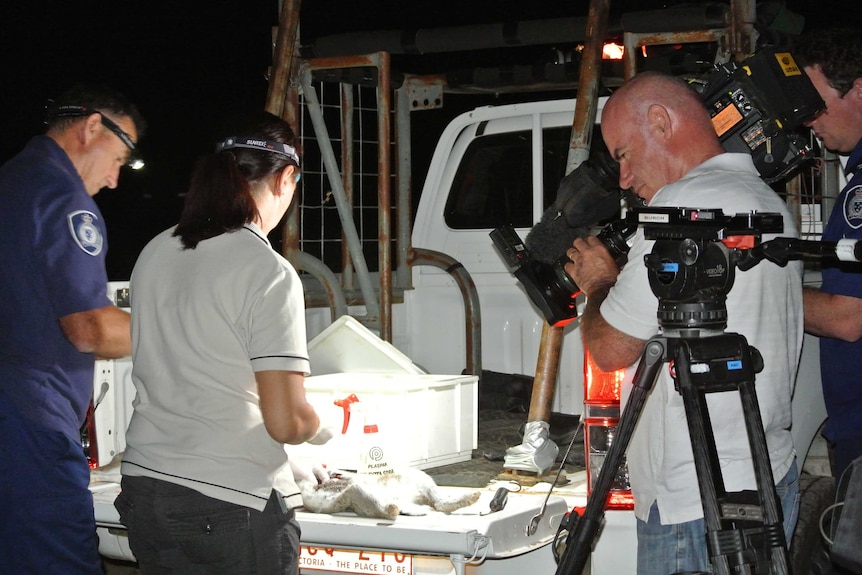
<point x="843" y="452"/>
<point x="177" y="530"/>
<point x="46" y="509"/>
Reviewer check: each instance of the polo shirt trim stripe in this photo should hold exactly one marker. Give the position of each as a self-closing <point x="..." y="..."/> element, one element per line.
<point x="189" y="479"/>
<point x="280" y="356"/>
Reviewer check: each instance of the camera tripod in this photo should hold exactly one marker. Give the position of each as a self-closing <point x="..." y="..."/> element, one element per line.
<point x="744" y="529"/>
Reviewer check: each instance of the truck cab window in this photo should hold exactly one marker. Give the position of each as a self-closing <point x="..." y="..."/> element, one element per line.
<point x="493" y="185"/>
<point x="494" y="182"/>
<point x="555" y="148"/>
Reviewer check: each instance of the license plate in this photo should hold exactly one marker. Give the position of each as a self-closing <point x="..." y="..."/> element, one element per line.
<point x="354" y="561"/>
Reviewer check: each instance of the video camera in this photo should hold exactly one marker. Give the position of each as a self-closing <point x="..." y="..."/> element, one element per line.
<point x="759" y="107"/>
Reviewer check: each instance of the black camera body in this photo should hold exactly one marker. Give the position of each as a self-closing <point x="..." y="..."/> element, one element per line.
<point x="548" y="285"/>
<point x="759" y="107"/>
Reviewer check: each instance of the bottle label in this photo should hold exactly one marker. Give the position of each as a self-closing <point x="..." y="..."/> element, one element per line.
<point x="373" y="459"/>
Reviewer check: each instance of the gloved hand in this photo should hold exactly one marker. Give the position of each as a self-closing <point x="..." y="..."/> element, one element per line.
<point x="332" y="420"/>
<point x="307" y="470"/>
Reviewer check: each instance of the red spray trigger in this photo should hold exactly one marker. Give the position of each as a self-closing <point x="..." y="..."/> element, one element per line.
<point x="345" y="405"/>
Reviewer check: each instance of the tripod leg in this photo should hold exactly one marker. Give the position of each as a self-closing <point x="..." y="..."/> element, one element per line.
<point x="703" y="447"/>
<point x="727" y="363"/>
<point x="580" y="540"/>
<point x="765" y="480"/>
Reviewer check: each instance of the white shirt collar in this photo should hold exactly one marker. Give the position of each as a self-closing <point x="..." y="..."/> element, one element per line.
<point x="253" y="228"/>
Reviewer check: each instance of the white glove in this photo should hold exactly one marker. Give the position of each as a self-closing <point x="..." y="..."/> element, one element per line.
<point x="307" y="470"/>
<point x="332" y="420"/>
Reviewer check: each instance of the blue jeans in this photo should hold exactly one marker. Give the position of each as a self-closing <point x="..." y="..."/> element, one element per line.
<point x="176" y="530"/>
<point x="666" y="549"/>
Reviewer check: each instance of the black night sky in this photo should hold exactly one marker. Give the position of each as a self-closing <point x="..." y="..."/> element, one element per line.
<point x="187" y="65"/>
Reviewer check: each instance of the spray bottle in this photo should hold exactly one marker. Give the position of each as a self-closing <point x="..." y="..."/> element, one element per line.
<point x="375" y="457"/>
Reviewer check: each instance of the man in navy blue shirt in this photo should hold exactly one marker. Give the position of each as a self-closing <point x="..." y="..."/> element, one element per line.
<point x="833" y="61"/>
<point x="55" y="319"/>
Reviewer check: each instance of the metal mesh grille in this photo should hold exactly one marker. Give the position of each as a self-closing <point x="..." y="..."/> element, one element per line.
<point x="320" y="226"/>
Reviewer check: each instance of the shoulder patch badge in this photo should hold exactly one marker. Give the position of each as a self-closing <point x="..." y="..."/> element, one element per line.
<point x="85" y="232"/>
<point x="853" y="207"/>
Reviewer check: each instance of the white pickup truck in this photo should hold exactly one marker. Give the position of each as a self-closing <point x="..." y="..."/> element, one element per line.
<point x="491" y="166"/>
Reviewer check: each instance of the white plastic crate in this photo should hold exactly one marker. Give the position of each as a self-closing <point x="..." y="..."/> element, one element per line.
<point x="424" y="420"/>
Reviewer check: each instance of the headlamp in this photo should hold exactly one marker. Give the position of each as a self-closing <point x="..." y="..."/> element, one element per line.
<point x="135" y="162"/>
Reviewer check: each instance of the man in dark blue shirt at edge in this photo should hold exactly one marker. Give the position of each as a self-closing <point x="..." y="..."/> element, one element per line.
<point x="833" y="61"/>
<point x="55" y="319"/>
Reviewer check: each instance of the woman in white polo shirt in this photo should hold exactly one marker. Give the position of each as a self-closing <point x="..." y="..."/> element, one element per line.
<point x="219" y="361"/>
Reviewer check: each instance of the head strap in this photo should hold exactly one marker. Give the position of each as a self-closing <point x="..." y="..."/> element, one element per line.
<point x="257" y="144"/>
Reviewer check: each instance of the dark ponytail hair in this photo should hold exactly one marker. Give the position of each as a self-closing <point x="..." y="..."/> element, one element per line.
<point x="219" y="198"/>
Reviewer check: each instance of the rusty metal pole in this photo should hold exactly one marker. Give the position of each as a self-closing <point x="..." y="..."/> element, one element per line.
<point x="384" y="194"/>
<point x="743" y="36"/>
<point x="547" y="367"/>
<point x="281" y="100"/>
<point x="279" y="75"/>
<point x="537" y="453"/>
